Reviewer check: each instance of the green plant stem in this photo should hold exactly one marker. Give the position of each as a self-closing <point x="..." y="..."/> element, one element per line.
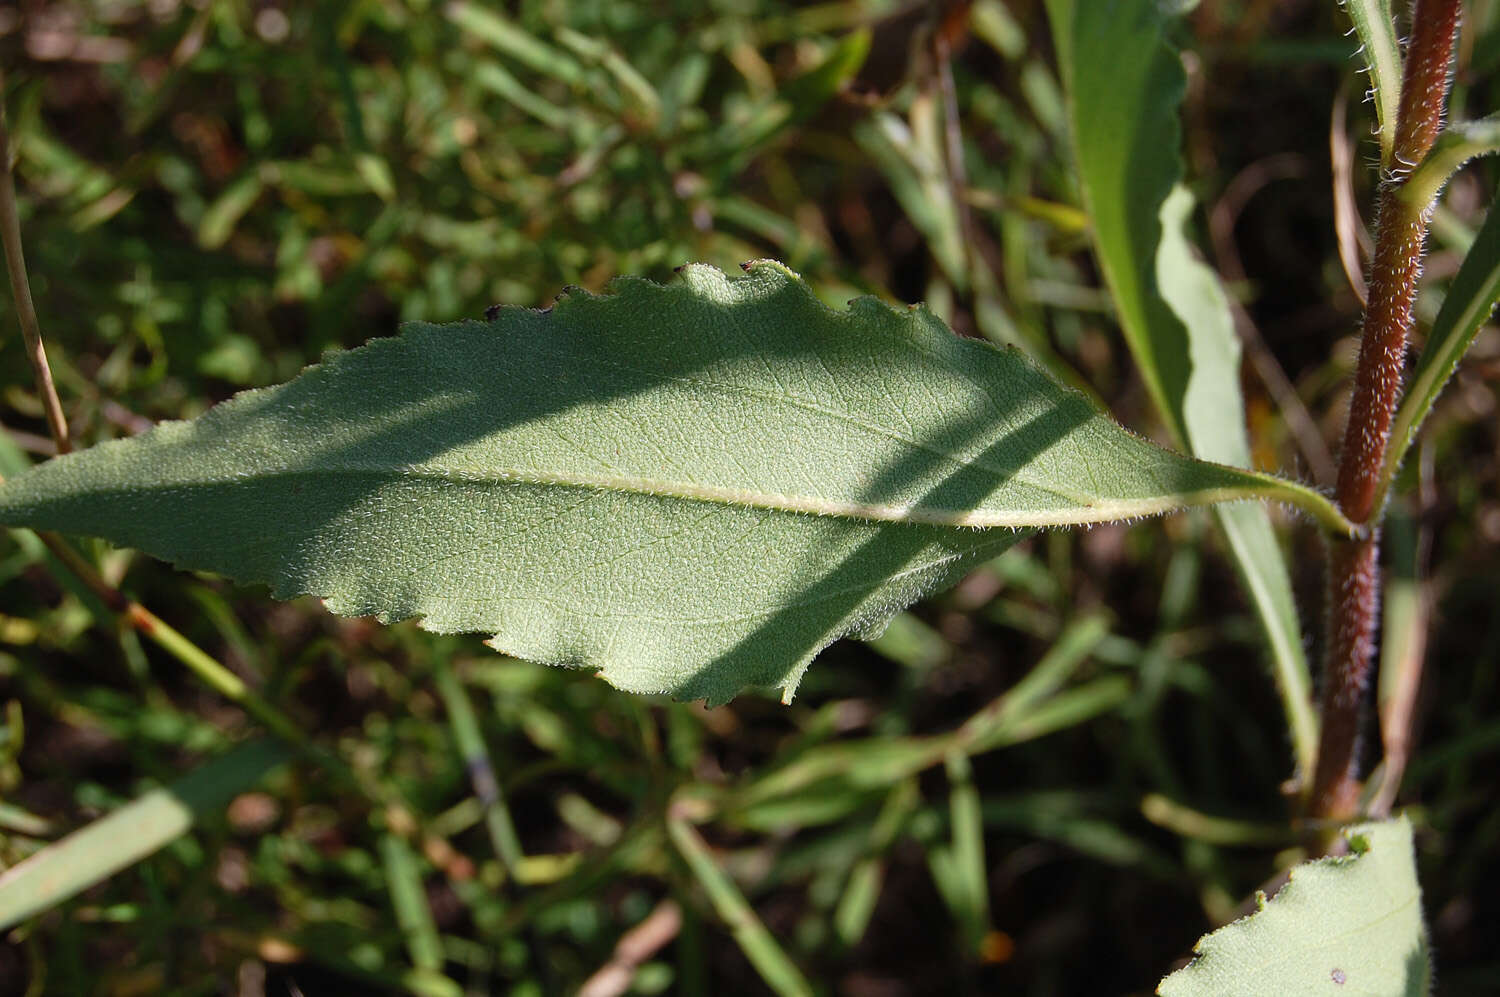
<point x="1353" y="564"/>
<point x="1189" y="823"/>
<point x="15" y="262"/>
<point x="157" y="630"/>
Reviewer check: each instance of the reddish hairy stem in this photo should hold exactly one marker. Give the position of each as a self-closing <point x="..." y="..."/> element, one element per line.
<point x="1400" y="239"/>
<point x="1354" y="565"/>
<point x="1425" y="79"/>
<point x="1353" y="601"/>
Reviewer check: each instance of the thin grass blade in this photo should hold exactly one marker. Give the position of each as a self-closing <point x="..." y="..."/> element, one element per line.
<point x="403" y="878"/>
<point x="481" y="768"/>
<point x="775" y="967"/>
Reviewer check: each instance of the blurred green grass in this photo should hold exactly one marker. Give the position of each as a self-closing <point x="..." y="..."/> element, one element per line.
<point x="214" y="194"/>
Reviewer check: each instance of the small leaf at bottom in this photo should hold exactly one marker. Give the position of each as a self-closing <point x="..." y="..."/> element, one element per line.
<point x="1341" y="926"/>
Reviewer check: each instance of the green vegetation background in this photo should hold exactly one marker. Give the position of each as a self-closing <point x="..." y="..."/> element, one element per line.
<point x="215" y="193"/>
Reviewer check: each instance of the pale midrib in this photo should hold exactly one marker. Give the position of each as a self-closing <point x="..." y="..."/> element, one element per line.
<point x="769" y="398"/>
<point x="790" y="400"/>
<point x="1085" y="511"/>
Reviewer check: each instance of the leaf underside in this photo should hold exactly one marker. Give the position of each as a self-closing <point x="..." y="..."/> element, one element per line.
<point x="1340" y="926"/>
<point x="692" y="488"/>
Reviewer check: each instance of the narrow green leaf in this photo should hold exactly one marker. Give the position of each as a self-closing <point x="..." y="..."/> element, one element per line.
<point x="1459" y="142"/>
<point x="1348" y="925"/>
<point x="1263" y="572"/>
<point x="403" y="878"/>
<point x="1125" y="85"/>
<point x="1186" y="822"/>
<point x="504" y="35"/>
<point x="634" y="87"/>
<point x="969" y="896"/>
<point x="377" y="175"/>
<point x="1069" y="708"/>
<point x="692" y="487"/>
<point x="995" y="725"/>
<point x="911" y="162"/>
<point x="759" y="945"/>
<point x="499" y="81"/>
<point x="857" y="904"/>
<point x="1471" y="298"/>
<point x="131" y="833"/>
<point x="799" y="100"/>
<point x="481" y="769"/>
<point x="22" y="821"/>
<point x="1404" y="619"/>
<point x="1381" y="52"/>
<point x="218" y="222"/>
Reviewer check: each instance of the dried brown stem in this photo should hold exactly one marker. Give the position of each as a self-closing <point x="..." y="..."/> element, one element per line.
<point x="10" y="235"/>
<point x="1354" y="568"/>
<point x="637" y="945"/>
<point x="1354" y="242"/>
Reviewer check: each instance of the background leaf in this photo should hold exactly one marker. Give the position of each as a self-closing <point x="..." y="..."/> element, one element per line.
<point x="1348" y="925"/>
<point x="155" y="819"/>
<point x="1125" y="87"/>
<point x="624" y="482"/>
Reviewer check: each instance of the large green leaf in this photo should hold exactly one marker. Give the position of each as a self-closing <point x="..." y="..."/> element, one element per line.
<point x="692" y="488"/>
<point x="1347" y="925"/>
<point x="1125" y="85"/>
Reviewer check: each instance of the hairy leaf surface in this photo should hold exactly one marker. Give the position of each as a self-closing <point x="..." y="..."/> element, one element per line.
<point x="692" y="488"/>
<point x="1347" y="925"/>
